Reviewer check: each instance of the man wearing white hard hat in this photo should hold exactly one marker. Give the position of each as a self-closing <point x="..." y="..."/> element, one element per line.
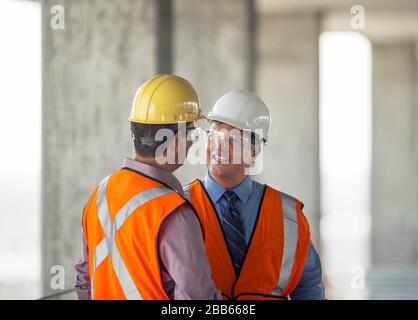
<point x="257" y="238"/>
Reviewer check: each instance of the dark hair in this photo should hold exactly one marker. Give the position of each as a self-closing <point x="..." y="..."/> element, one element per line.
<point x="144" y="137"/>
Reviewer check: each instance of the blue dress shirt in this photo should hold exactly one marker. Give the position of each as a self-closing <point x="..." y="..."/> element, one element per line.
<point x="249" y="192"/>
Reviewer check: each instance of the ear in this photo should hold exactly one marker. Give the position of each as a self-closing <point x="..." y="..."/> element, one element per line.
<point x="255" y="150"/>
<point x="174" y="144"/>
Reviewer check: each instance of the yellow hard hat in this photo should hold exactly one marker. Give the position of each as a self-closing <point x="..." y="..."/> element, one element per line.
<point x="165" y="99"/>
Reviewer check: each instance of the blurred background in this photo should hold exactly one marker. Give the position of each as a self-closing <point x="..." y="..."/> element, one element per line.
<point x="340" y="79"/>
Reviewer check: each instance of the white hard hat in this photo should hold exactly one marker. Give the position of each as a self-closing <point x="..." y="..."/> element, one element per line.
<point x="243" y="110"/>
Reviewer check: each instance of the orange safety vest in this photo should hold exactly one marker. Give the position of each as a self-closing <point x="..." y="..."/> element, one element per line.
<point x="276" y="253"/>
<point x="121" y="225"/>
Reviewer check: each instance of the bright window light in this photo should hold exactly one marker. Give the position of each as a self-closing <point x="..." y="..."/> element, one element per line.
<point x="345" y="161"/>
<point x="20" y="141"/>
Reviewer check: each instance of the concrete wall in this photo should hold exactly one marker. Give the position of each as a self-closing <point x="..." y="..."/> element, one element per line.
<point x="91" y="70"/>
<point x="212" y="48"/>
<point x="415" y="125"/>
<point x="287" y="80"/>
<point x="110" y="48"/>
<point x="274" y="55"/>
<point x="394" y="175"/>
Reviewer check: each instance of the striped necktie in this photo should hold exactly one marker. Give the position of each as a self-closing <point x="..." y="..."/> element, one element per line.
<point x="233" y="228"/>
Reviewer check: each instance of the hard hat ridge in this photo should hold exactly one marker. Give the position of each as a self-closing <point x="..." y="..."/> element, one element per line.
<point x="165" y="99"/>
<point x="242" y="109"/>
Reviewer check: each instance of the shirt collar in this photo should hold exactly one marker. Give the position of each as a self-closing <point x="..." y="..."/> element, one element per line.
<point x="156" y="173"/>
<point x="215" y="190"/>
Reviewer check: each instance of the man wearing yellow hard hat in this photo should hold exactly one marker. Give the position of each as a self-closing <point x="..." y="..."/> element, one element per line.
<point x="141" y="238"/>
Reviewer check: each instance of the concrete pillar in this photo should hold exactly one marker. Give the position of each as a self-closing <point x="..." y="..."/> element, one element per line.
<point x="415" y="126"/>
<point x="394" y="175"/>
<point x="287" y="80"/>
<point x="91" y="70"/>
<point x="213" y="48"/>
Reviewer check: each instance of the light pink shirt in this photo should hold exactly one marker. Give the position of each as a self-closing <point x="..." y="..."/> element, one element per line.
<point x="185" y="268"/>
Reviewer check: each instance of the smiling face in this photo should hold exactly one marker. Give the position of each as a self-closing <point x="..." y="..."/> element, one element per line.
<point x="228" y="150"/>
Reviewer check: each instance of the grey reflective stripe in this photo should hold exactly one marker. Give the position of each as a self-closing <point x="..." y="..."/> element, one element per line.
<point x="290" y="241"/>
<point x="108" y="245"/>
<point x="186" y="190"/>
<point x="136" y="201"/>
<point x="101" y="251"/>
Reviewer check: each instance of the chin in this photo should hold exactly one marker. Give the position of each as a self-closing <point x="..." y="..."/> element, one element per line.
<point x="221" y="170"/>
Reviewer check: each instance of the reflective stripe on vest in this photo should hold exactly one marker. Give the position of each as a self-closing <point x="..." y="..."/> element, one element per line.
<point x="276" y="252"/>
<point x="186" y="192"/>
<point x="108" y="245"/>
<point x="290" y="241"/>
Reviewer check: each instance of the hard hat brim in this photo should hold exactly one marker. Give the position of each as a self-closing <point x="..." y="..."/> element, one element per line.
<point x="200" y="117"/>
<point x="232" y="123"/>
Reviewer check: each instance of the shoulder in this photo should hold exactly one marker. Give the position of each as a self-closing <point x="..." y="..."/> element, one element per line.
<point x="182" y="218"/>
<point x="186" y="191"/>
<point x="290" y="205"/>
<point x="187" y="187"/>
<point x="287" y="198"/>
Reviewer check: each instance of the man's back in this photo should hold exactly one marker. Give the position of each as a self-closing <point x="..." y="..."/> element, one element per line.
<point x="160" y="238"/>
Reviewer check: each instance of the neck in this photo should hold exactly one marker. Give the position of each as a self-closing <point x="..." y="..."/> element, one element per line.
<point x="228" y="182"/>
<point x="152" y="162"/>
